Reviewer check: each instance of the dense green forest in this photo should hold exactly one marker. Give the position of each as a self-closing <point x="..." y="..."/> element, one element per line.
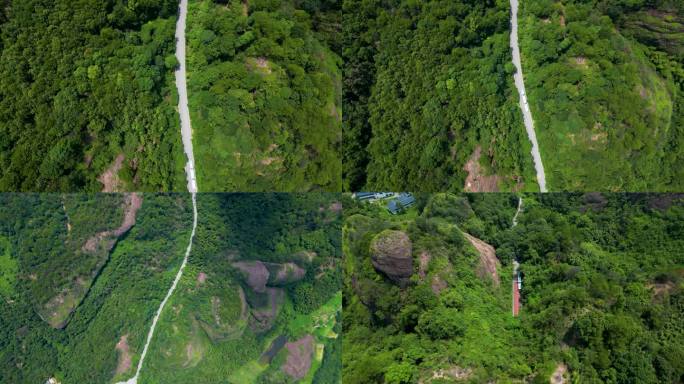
<point x="263" y="280"/>
<point x="601" y="302"/>
<point x="605" y="80"/>
<point x="428" y="91"/>
<point x="81" y="277"/>
<point x="87" y="96"/>
<point x="265" y="94"/>
<point x="45" y="238"/>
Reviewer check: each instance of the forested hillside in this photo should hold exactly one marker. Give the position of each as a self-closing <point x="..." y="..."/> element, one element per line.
<point x="605" y="80"/>
<point x="108" y="308"/>
<point x="86" y="95"/>
<point x="260" y="299"/>
<point x="258" y="302"/>
<point x="264" y="88"/>
<point x="601" y="301"/>
<point x="429" y="98"/>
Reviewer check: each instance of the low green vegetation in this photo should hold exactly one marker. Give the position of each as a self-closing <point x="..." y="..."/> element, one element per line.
<point x="601" y="302"/>
<point x="260" y="299"/>
<point x="87" y="87"/>
<point x="264" y="90"/>
<point x="8" y="268"/>
<point x="605" y="81"/>
<point x="428" y="87"/>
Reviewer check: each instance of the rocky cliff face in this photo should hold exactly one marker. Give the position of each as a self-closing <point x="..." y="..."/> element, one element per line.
<point x="391" y="255"/>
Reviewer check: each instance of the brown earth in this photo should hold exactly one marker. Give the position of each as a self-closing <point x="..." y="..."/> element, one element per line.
<point x="452" y="373"/>
<point x="110" y="177"/>
<point x="285" y="273"/>
<point x="391" y="255"/>
<point x="559" y="375"/>
<point x="424" y="258"/>
<point x="132" y="203"/>
<point x="661" y="289"/>
<point x="201" y="277"/>
<point x="438" y="284"/>
<point x="299" y="356"/>
<point x="335" y="207"/>
<point x="257" y="274"/>
<point x="476" y="182"/>
<point x="124" y="363"/>
<point x="488" y="260"/>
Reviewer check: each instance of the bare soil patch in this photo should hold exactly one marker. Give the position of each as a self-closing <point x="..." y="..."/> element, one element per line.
<point x="476" y="181"/>
<point x="335" y="207"/>
<point x="559" y="375"/>
<point x="453" y="373"/>
<point x="263" y="63"/>
<point x="124" y="363"/>
<point x="110" y="177"/>
<point x="201" y="277"/>
<point x="132" y="203"/>
<point x="438" y="285"/>
<point x="581" y="61"/>
<point x="488" y="260"/>
<point x="287" y="273"/>
<point x="424" y="262"/>
<point x="299" y="355"/>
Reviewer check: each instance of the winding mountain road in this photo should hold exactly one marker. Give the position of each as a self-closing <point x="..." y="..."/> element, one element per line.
<point x="524" y="106"/>
<point x="186" y="132"/>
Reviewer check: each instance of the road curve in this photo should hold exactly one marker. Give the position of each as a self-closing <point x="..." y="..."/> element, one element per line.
<point x="183" y="109"/>
<point x="524" y="106"/>
<point x="186" y="131"/>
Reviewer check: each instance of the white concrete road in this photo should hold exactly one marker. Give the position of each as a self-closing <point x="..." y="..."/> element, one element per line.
<point x="183" y="110"/>
<point x="524" y="106"/>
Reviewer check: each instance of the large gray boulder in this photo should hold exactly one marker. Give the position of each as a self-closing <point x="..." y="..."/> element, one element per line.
<point x="391" y="255"/>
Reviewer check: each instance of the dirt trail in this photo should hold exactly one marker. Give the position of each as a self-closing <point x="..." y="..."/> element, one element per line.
<point x="124" y="363"/>
<point x="132" y="203"/>
<point x="476" y="181"/>
<point x="488" y="260"/>
<point x="110" y="177"/>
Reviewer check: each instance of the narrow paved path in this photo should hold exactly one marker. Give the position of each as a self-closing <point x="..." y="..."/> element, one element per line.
<point x="186" y="132"/>
<point x="520" y="84"/>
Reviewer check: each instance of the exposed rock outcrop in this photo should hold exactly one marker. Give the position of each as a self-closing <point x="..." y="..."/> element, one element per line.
<point x="391" y="255"/>
<point x="256" y="274"/>
<point x="281" y="274"/>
